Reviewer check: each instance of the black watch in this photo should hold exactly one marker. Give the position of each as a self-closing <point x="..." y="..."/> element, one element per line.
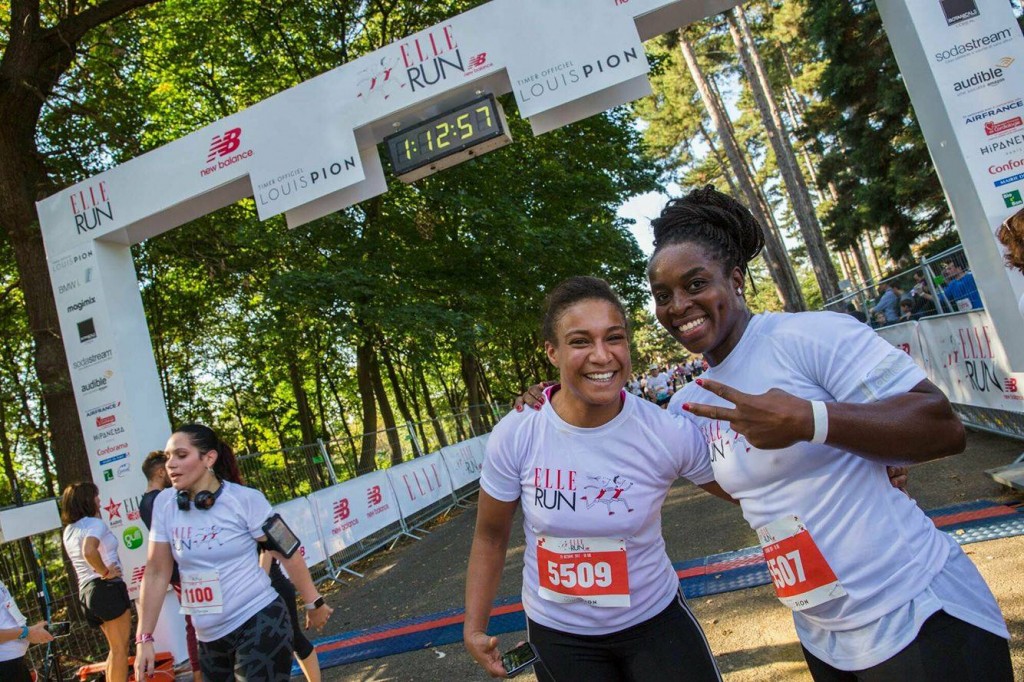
<point x="316" y="604"/>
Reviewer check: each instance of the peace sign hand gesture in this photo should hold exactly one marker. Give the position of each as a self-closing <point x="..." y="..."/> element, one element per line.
<point x="769" y="421"/>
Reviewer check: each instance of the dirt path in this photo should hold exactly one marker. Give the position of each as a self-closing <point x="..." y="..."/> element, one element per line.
<point x="751" y="634"/>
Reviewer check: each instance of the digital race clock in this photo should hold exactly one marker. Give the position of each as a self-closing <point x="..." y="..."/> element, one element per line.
<point x="450" y="138"/>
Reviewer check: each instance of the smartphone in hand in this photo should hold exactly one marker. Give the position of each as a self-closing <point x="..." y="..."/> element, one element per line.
<point x="59" y="628"/>
<point x="519" y="659"/>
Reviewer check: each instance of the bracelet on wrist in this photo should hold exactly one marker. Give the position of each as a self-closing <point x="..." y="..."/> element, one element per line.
<point x="24" y="632"/>
<point x="315" y="604"/>
<point x="144" y="637"/>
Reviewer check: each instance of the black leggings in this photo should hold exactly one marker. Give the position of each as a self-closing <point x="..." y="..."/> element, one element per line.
<point x="671" y="645"/>
<point x="945" y="649"/>
<point x="259" y="650"/>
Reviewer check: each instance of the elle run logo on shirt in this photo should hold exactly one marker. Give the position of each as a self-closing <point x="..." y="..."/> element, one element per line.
<point x="186" y="538"/>
<point x="555" y="488"/>
<point x="722" y="441"/>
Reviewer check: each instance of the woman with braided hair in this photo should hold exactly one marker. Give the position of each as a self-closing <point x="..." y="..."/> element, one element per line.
<point x="801" y="413"/>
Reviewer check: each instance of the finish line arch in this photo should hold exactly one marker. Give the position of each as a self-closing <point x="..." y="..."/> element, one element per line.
<point x="312" y="150"/>
<point x="307" y="152"/>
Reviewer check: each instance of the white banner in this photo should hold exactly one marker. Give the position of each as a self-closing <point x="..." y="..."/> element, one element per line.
<point x="907" y="337"/>
<point x="355" y="509"/>
<point x="419" y="483"/>
<point x="480" y="447"/>
<point x="298" y="514"/>
<point x="966" y="360"/>
<point x="462" y="463"/>
<point x="976" y="55"/>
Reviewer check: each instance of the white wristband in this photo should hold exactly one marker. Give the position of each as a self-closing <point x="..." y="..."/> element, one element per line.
<point x="820" y="421"/>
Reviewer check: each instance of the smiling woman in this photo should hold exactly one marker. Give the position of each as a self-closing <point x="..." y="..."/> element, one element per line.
<point x="591" y="470"/>
<point x="801" y="413"/>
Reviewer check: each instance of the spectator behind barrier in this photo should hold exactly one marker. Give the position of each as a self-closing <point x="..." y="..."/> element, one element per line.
<point x="851" y="310"/>
<point x="1011" y="235"/>
<point x="961" y="291"/>
<point x="888" y="304"/>
<point x="921" y="296"/>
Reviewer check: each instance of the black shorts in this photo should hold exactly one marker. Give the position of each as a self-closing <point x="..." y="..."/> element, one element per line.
<point x="669" y="646"/>
<point x="104" y="600"/>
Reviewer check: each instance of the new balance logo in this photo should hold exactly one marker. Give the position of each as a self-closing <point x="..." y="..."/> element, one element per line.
<point x="222" y="145"/>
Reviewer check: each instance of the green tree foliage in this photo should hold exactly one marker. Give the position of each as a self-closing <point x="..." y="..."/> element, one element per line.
<point x="875" y="155"/>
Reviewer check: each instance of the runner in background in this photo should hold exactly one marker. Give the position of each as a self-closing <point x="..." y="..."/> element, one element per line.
<point x="92" y="549"/>
<point x="801" y="413"/>
<point x="15" y="636"/>
<point x="154" y="468"/>
<point x="1011" y="235"/>
<point x="591" y="471"/>
<point x="212" y="528"/>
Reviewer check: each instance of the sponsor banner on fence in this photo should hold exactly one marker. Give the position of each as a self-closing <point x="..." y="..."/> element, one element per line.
<point x="463" y="465"/>
<point x="420" y="483"/>
<point x="354" y="510"/>
<point x="298" y="514"/>
<point x="964" y="357"/>
<point x="906" y="337"/>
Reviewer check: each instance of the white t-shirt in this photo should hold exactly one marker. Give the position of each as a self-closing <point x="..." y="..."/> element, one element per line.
<point x="221" y="539"/>
<point x="74" y="539"/>
<point x="10" y="618"/>
<point x="881" y="546"/>
<point x="604" y="482"/>
<point x="657" y="386"/>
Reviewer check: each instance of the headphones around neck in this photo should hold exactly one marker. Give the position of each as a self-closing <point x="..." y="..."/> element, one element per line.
<point x="204" y="498"/>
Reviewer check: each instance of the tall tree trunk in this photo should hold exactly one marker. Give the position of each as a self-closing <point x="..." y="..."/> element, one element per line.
<point x="803" y="209"/>
<point x="396" y="387"/>
<point x="386" y="414"/>
<point x="305" y="414"/>
<point x="775" y="255"/>
<point x="442" y="437"/>
<point x="769" y="223"/>
<point x="35" y="426"/>
<point x="354" y="464"/>
<point x="468" y="366"/>
<point x="876" y="266"/>
<point x="364" y="379"/>
<point x="721" y="162"/>
<point x="35" y="58"/>
<point x="409" y="389"/>
<point x="845" y="266"/>
<point x="861" y="262"/>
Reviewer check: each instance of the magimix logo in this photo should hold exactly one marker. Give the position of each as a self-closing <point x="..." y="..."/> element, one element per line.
<point x="959" y="10"/>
